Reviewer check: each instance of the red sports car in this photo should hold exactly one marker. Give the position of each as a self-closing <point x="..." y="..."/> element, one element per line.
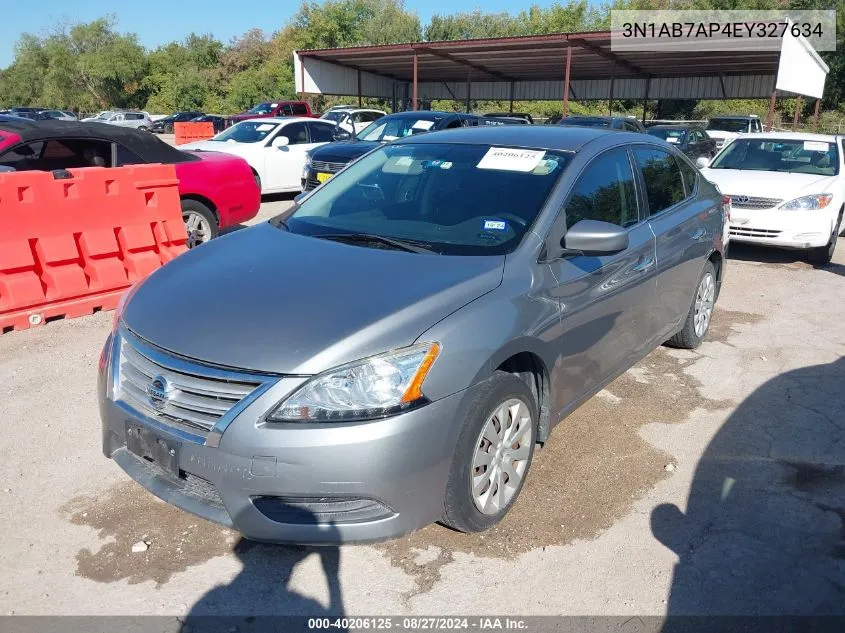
<point x="217" y="190"/>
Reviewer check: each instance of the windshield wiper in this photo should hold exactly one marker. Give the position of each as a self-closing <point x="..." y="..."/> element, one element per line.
<point x="410" y="246"/>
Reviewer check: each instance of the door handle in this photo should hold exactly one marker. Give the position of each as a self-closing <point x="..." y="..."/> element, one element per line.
<point x="643" y="265"/>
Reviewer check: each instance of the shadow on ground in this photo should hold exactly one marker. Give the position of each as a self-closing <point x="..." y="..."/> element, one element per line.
<point x="795" y="258"/>
<point x="764" y="528"/>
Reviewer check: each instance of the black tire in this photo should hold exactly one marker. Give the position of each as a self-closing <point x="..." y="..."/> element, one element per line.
<point x="168" y="128"/>
<point x="257" y="180"/>
<point x="197" y="207"/>
<point x="459" y="509"/>
<point x="687" y="338"/>
<point x="143" y="128"/>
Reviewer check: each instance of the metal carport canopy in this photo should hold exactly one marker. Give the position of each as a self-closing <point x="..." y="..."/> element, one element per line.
<point x="536" y="68"/>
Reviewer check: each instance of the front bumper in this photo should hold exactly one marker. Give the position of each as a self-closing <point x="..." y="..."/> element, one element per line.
<point x="784" y="229"/>
<point x="314" y="484"/>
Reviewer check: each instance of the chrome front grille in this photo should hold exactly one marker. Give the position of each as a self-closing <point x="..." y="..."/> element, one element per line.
<point x="194" y="401"/>
<point x="748" y="202"/>
<point x="741" y="231"/>
<point x="326" y="167"/>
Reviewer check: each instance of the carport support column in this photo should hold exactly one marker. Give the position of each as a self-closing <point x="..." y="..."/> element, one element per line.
<point x="414" y="92"/>
<point x="797" y="112"/>
<point x="359" y="87"/>
<point x="610" y="101"/>
<point x="770" y="119"/>
<point x="816" y="116"/>
<point x="566" y="80"/>
<point x="469" y="91"/>
<point x="511" y="106"/>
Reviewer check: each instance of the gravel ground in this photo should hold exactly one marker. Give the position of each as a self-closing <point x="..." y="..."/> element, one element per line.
<point x="698" y="482"/>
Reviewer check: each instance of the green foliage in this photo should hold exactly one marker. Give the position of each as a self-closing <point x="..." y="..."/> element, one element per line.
<point x="91" y="66"/>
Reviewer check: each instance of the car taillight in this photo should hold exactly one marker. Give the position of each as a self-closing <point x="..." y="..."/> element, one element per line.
<point x="726" y="207"/>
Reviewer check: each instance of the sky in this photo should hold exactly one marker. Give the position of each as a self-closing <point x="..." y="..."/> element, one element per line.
<point x="160" y="21"/>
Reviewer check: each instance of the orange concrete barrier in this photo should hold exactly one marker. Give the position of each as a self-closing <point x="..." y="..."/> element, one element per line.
<point x="72" y="246"/>
<point x="191" y="131"/>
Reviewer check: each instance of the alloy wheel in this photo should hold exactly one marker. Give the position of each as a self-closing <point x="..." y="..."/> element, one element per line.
<point x="198" y="228"/>
<point x="501" y="456"/>
<point x="704" y="302"/>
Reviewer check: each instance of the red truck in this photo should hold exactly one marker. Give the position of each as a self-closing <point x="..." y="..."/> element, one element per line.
<point x="271" y="109"/>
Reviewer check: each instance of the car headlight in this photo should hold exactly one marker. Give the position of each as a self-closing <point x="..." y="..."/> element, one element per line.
<point x="363" y="390"/>
<point x="306" y="167"/>
<point x="816" y="201"/>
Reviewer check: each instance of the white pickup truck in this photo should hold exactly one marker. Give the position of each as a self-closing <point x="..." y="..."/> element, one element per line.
<point x="724" y="129"/>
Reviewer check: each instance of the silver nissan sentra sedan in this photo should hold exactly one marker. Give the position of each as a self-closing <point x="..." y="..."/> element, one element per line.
<point x="389" y="351"/>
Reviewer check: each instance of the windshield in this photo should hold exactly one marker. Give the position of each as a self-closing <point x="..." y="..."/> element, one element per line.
<point x="668" y="134"/>
<point x="789" y="155"/>
<point x="334" y="115"/>
<point x="261" y="108"/>
<point x="391" y="128"/>
<point x="728" y="125"/>
<point x="453" y="199"/>
<point x="246" y="132"/>
<point x="104" y="115"/>
<point x="585" y="122"/>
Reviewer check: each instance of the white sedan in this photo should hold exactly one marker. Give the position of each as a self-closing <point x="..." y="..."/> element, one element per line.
<point x="275" y="148"/>
<point x="786" y="189"/>
<point x="353" y="120"/>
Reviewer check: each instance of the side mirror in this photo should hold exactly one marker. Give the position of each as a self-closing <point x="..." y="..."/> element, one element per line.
<point x="300" y="197"/>
<point x="281" y="141"/>
<point x="701" y="162"/>
<point x="594" y="237"/>
<point x="341" y="135"/>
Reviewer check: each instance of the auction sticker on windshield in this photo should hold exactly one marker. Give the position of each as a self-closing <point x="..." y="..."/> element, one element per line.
<point x="423" y="125"/>
<point x="508" y="159"/>
<point x="816" y="146"/>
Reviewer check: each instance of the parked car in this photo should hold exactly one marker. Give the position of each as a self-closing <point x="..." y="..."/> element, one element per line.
<point x="101" y="117"/>
<point x="628" y="124"/>
<point x="724" y="129"/>
<point x="219" y="122"/>
<point x="274" y="148"/>
<point x="323" y="163"/>
<point x="217" y="190"/>
<point x="273" y="109"/>
<point x="129" y="119"/>
<point x="786" y="190"/>
<point x="165" y="125"/>
<point x="511" y="115"/>
<point x="24" y="112"/>
<point x="402" y="337"/>
<point x="353" y="120"/>
<point x="56" y="115"/>
<point x="691" y="140"/>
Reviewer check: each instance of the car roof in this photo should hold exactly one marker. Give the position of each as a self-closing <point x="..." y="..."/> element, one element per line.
<point x="742" y="117"/>
<point x="147" y="146"/>
<point x="550" y="137"/>
<point x="673" y="126"/>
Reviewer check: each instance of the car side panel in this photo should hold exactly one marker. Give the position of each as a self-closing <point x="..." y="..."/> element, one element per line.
<point x="226" y="181"/>
<point x="686" y="236"/>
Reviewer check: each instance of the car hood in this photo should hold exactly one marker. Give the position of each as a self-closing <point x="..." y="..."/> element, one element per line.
<point x="767" y="184"/>
<point x="342" y="151"/>
<point x="267" y="300"/>
<point x="220" y="147"/>
<point x="244" y="116"/>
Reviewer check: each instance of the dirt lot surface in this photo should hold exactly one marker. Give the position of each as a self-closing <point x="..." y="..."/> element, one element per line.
<point x="698" y="482"/>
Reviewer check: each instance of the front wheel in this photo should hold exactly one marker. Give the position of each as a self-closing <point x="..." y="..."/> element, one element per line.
<point x="143" y="128"/>
<point x="493" y="455"/>
<point x="701" y="311"/>
<point x="200" y="222"/>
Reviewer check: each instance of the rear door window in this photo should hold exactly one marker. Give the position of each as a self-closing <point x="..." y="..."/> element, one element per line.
<point x="662" y="177"/>
<point x="605" y="191"/>
<point x="299" y="108"/>
<point x="321" y="132"/>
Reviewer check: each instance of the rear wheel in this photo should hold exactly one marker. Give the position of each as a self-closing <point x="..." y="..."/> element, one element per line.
<point x="200" y="222"/>
<point x="492" y="456"/>
<point x="143" y="128"/>
<point x="701" y="311"/>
